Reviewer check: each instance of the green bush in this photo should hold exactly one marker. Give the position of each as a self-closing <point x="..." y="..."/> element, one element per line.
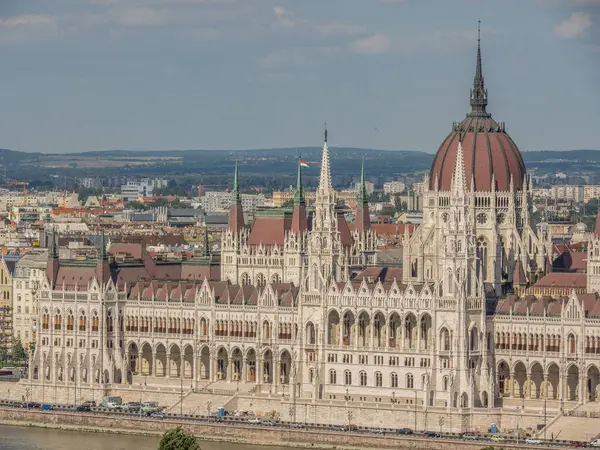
<point x="178" y="439"/>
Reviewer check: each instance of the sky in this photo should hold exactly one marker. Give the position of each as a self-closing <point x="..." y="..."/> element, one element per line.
<point x="82" y="75"/>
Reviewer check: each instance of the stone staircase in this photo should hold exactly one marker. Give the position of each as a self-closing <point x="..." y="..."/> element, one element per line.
<point x="578" y="424"/>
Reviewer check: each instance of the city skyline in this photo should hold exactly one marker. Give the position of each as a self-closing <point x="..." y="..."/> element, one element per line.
<point x="229" y="74"/>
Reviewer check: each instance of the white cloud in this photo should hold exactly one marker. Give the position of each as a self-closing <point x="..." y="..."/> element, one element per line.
<point x="574" y="26"/>
<point x="377" y="43"/>
<point x="137" y="17"/>
<point x="339" y="29"/>
<point x="28" y="19"/>
<point x="284" y="17"/>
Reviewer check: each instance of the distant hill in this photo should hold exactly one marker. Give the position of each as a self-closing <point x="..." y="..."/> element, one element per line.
<point x="277" y="165"/>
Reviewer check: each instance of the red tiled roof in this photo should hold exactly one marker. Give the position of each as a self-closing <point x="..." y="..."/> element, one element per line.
<point x="269" y="230"/>
<point x="563" y="280"/>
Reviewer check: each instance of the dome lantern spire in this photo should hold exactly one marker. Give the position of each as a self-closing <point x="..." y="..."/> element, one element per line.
<point x="479" y="96"/>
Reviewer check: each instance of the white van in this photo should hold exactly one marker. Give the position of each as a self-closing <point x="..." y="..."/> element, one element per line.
<point x="112" y="402"/>
<point x="595" y="443"/>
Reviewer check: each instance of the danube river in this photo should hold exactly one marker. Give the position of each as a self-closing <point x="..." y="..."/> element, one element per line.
<point x="31" y="438"/>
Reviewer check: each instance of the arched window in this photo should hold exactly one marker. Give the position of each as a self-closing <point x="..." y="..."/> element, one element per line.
<point x="394" y="380"/>
<point x="260" y="280"/>
<point x="410" y="381"/>
<point x="332" y="377"/>
<point x="445" y="383"/>
<point x="57" y="320"/>
<point x="310" y="333"/>
<point x="347" y="378"/>
<point x="245" y="279"/>
<point x="474" y="339"/>
<point x="95" y="321"/>
<point x="70" y="320"/>
<point x="482" y="254"/>
<point x="266" y="330"/>
<point x="275" y="279"/>
<point x="363" y="378"/>
<point x="378" y="379"/>
<point x="445" y="339"/>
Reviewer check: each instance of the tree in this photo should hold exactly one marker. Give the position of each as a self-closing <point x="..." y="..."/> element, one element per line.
<point x="178" y="439"/>
<point x="3" y="356"/>
<point x="18" y="352"/>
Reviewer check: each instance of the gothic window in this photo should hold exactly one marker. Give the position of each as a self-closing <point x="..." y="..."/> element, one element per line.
<point x="57" y="320"/>
<point x="414" y="268"/>
<point x="245" y="279"/>
<point x="428" y="270"/>
<point x="332" y="377"/>
<point x="276" y="279"/>
<point x="260" y="280"/>
<point x="482" y="256"/>
<point x="394" y="380"/>
<point x="445" y="217"/>
<point x="410" y="381"/>
<point x="378" y="379"/>
<point x="347" y="378"/>
<point x="82" y="321"/>
<point x="445" y="339"/>
<point x="481" y="218"/>
<point x="474" y="339"/>
<point x="363" y="378"/>
<point x="500" y="219"/>
<point x="445" y="383"/>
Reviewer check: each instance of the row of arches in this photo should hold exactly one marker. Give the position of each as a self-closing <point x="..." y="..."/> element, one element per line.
<point x="171" y="325"/>
<point x="58" y="321"/>
<point x="207" y="364"/>
<point x="260" y="279"/>
<point x="537" y="381"/>
<point x="366" y="330"/>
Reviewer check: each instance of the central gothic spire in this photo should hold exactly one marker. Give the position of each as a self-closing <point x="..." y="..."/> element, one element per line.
<point x="479" y="96"/>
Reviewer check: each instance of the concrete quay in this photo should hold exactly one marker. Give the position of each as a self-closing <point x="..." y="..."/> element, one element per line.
<point x="239" y="433"/>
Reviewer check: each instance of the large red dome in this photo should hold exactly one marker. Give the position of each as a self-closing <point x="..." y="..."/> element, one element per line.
<point x="488" y="151"/>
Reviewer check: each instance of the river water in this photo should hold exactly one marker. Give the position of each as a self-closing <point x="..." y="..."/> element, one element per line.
<point x="31" y="438"/>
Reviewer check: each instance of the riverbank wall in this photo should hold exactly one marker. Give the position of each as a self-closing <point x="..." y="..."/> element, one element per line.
<point x="231" y="433"/>
<point x="183" y="398"/>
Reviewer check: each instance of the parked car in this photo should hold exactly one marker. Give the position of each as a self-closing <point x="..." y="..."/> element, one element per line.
<point x="47" y="407"/>
<point x="404" y="431"/>
<point x="533" y="441"/>
<point x="297" y="425"/>
<point x="350" y="428"/>
<point x="497" y="438"/>
<point x="468" y="437"/>
<point x="267" y="423"/>
<point x="83" y="407"/>
<point x="90" y="403"/>
<point x="432" y="434"/>
<point x="578" y="444"/>
<point x="595" y="443"/>
<point x="376" y="431"/>
<point x="254" y="421"/>
<point x="157" y="415"/>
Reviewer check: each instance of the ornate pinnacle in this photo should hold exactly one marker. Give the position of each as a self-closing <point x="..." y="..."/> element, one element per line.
<point x="479" y="98"/>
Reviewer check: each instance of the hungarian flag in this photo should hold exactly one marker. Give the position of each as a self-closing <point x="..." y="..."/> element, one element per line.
<point x="303" y="164"/>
